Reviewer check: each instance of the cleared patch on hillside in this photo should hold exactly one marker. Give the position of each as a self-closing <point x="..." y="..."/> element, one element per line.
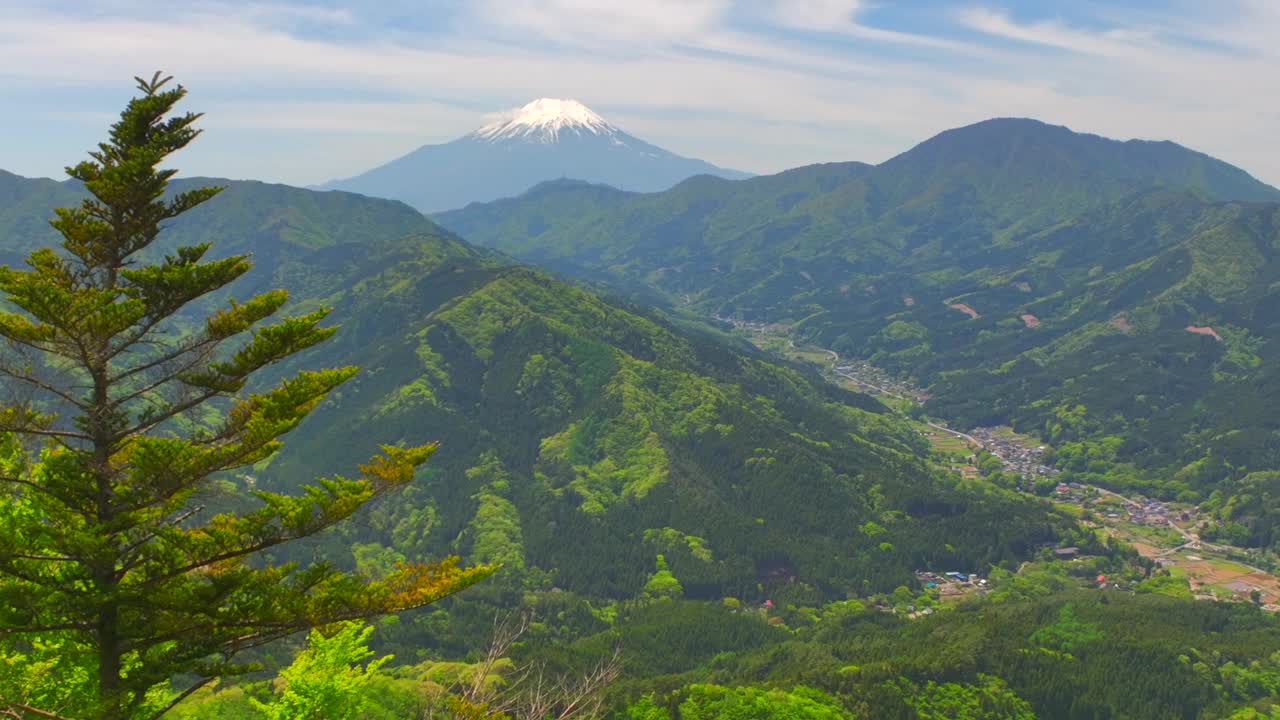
<point x="1227" y="578"/>
<point x="1204" y="330"/>
<point x="973" y="314"/>
<point x="1030" y="320"/>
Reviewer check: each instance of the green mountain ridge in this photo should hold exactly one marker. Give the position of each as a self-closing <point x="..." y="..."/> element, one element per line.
<point x="998" y="178"/>
<point x="567" y="421"/>
<point x="584" y="424"/>
<point x="267" y="219"/>
<point x="649" y="487"/>
<point x="1112" y="250"/>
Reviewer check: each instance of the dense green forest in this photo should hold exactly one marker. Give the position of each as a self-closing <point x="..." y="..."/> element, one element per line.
<point x="577" y="506"/>
<point x="1026" y="651"/>
<point x="1113" y="298"/>
<point x="568" y="421"/>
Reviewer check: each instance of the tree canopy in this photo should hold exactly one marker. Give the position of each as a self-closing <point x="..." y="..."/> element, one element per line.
<point x="118" y="596"/>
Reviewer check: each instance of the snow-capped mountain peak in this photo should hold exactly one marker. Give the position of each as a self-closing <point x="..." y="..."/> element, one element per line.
<point x="543" y="120"/>
<point x="546" y="139"/>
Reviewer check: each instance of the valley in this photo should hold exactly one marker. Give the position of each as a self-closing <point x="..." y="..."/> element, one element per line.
<point x="1163" y="532"/>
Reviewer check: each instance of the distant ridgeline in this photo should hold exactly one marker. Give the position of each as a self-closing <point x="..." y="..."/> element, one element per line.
<point x="1121" y="299"/>
<point x="580" y="438"/>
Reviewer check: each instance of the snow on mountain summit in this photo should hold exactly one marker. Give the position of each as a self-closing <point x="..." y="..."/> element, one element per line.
<point x="542" y="121"/>
<point x="546" y="139"/>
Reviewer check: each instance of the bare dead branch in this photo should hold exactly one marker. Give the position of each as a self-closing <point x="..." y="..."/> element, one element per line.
<point x="14" y="709"/>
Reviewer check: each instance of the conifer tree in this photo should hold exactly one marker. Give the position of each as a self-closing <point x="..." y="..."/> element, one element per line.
<point x="118" y="597"/>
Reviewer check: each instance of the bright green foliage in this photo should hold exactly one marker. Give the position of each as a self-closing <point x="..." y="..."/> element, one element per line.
<point x="646" y="709"/>
<point x="1269" y="712"/>
<point x="990" y="699"/>
<point x="376" y="560"/>
<point x="1167" y="585"/>
<point x="670" y="538"/>
<point x="496" y="538"/>
<point x="687" y="659"/>
<point x="1068" y="632"/>
<point x="327" y="681"/>
<point x="662" y="584"/>
<point x="713" y="702"/>
<point x="51" y="670"/>
<point x="1154" y="657"/>
<point x="1245" y="681"/>
<point x="1246" y="511"/>
<point x="112" y="584"/>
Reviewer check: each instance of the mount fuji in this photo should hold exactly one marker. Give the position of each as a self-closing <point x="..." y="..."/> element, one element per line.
<point x="546" y="139"/>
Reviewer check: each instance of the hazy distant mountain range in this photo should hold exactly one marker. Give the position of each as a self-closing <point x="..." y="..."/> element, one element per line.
<point x="544" y="140"/>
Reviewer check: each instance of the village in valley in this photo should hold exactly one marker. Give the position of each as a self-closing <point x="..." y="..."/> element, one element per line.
<point x="877" y="381"/>
<point x="1163" y="532"/>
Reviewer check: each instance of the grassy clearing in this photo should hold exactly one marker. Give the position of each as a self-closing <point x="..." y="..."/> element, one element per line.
<point x="816" y="357"/>
<point x="1075" y="510"/>
<point x="945" y="443"/>
<point x="1231" y="567"/>
<point x="1007" y="433"/>
<point x="1164" y="537"/>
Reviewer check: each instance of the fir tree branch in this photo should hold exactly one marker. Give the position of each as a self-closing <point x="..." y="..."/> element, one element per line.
<point x="41" y="489"/>
<point x="15" y="708"/>
<point x="172" y="412"/>
<point x="183" y="349"/>
<point x="179" y="698"/>
<point x="47" y="558"/>
<point x="9" y="372"/>
<point x="53" y="627"/>
<point x="27" y="430"/>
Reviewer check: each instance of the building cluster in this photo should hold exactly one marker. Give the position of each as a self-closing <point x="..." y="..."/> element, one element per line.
<point x="950" y="583"/>
<point x="756" y="327"/>
<point x="1151" y="513"/>
<point x="1025" y="460"/>
<point x="1140" y="510"/>
<point x="877" y="379"/>
<point x="1074" y="493"/>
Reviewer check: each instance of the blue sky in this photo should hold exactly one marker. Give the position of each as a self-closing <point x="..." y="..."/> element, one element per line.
<point x="302" y="92"/>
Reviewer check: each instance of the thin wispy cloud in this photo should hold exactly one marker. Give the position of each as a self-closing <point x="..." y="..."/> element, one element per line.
<point x="1116" y="43"/>
<point x="306" y="91"/>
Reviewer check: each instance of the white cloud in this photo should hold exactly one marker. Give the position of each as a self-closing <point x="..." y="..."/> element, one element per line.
<point x="602" y="26"/>
<point x="1115" y="43"/>
<point x="818" y="14"/>
<point x="682" y="73"/>
<point x="841" y="17"/>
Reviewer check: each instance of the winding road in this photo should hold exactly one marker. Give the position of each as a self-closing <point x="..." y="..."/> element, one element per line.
<point x="835" y="362"/>
<point x="1191" y="542"/>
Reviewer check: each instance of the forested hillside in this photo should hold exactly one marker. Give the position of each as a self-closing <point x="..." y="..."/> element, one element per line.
<point x="566" y="422"/>
<point x="266" y="219"/>
<point x="745" y="532"/>
<point x="1114" y="298"/>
